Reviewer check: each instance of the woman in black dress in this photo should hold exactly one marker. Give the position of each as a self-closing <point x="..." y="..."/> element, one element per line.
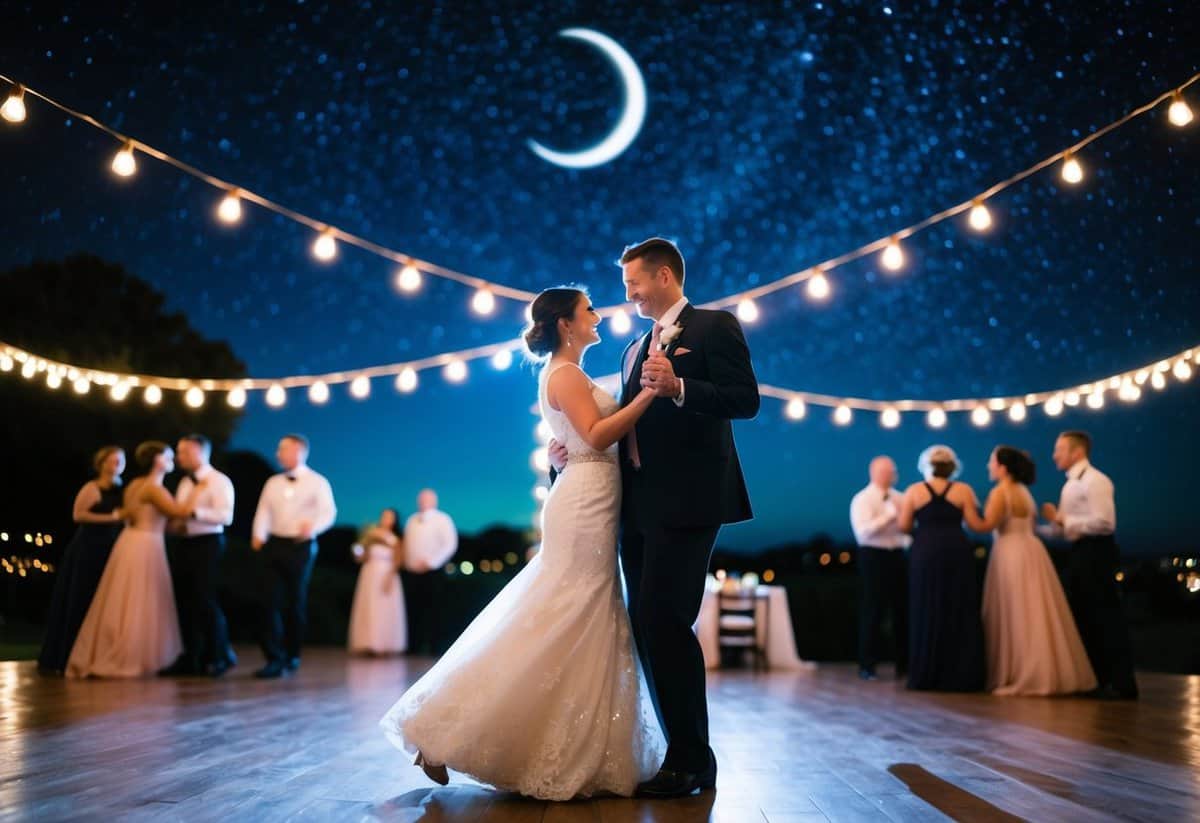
<point x="945" y="629"/>
<point x="97" y="511"/>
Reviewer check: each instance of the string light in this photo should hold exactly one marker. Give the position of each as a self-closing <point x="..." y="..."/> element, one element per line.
<point x="621" y="323"/>
<point x="1182" y="370"/>
<point x="981" y="416"/>
<point x="406" y="381"/>
<point x="796" y="408"/>
<point x="1054" y="406"/>
<point x="408" y="280"/>
<point x="747" y="310"/>
<point x="124" y="164"/>
<point x="1017" y="412"/>
<point x="456" y="371"/>
<point x="1129" y="392"/>
<point x="82" y="385"/>
<point x="29" y="369"/>
<point x="980" y="219"/>
<point x="540" y="460"/>
<point x="892" y="256"/>
<point x="324" y="248"/>
<point x="484" y="302"/>
<point x="119" y="391"/>
<point x="230" y="209"/>
<point x="1180" y="113"/>
<point x="277" y="396"/>
<point x="889" y="418"/>
<point x="818" y="287"/>
<point x="1071" y="398"/>
<point x="502" y="359"/>
<point x="13" y="109"/>
<point x="53" y="379"/>
<point x="6" y="363"/>
<point x="1158" y="381"/>
<point x="318" y="393"/>
<point x="1072" y="172"/>
<point x="152" y="395"/>
<point x="842" y="415"/>
<point x="1095" y="400"/>
<point x="236" y="398"/>
<point x="360" y="387"/>
<point x="936" y="418"/>
<point x="194" y="397"/>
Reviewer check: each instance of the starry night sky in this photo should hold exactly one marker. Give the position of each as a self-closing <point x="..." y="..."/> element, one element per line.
<point x="778" y="134"/>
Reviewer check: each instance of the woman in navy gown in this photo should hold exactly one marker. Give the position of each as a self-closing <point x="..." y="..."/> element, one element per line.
<point x="97" y="511"/>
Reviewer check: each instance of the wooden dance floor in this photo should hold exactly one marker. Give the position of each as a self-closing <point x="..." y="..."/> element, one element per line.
<point x="798" y="746"/>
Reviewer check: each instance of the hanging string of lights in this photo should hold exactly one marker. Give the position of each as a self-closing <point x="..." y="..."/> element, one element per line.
<point x="408" y="279"/>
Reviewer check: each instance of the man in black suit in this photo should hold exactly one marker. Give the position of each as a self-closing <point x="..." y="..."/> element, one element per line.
<point x="681" y="482"/>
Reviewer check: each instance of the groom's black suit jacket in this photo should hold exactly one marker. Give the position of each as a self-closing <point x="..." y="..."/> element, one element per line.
<point x="690" y="475"/>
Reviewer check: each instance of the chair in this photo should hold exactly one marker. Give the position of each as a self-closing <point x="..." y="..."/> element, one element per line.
<point x="738" y="625"/>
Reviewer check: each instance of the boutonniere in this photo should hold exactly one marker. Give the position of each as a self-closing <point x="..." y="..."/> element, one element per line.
<point x="668" y="336"/>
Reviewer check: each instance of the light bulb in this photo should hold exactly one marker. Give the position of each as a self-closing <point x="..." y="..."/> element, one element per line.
<point x="540" y="460"/>
<point x="53" y="379"/>
<point x="842" y="415"/>
<point x="484" y="302"/>
<point x="152" y="395"/>
<point x="13" y="109"/>
<point x="1071" y="398"/>
<point x="230" y="209"/>
<point x="29" y="369"/>
<point x="936" y="418"/>
<point x="747" y="311"/>
<point x="1129" y="392"/>
<point x="1054" y="406"/>
<point x="1158" y="381"/>
<point x="236" y="398"/>
<point x="621" y="323"/>
<point x="980" y="218"/>
<point x="1141" y="377"/>
<point x="123" y="163"/>
<point x="889" y="418"/>
<point x="6" y="363"/>
<point x="540" y="493"/>
<point x="406" y="381"/>
<point x="1072" y="172"/>
<point x="456" y="371"/>
<point x="408" y="280"/>
<point x="543" y="432"/>
<point x="318" y="393"/>
<point x="796" y="408"/>
<point x="324" y="248"/>
<point x="1017" y="412"/>
<point x="1182" y="370"/>
<point x="1095" y="399"/>
<point x="82" y="385"/>
<point x="119" y="391"/>
<point x="818" y="287"/>
<point x="276" y="396"/>
<point x="360" y="387"/>
<point x="194" y="397"/>
<point x="1180" y="113"/>
<point x="502" y="359"/>
<point x="981" y="416"/>
<point x="893" y="256"/>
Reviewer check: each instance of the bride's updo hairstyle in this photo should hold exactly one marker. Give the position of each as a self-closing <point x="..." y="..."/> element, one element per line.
<point x="1019" y="464"/>
<point x="541" y="336"/>
<point x="146" y="452"/>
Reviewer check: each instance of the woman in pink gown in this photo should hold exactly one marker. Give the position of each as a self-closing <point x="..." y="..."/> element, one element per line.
<point x="1033" y="646"/>
<point x="377" y="623"/>
<point x="131" y="628"/>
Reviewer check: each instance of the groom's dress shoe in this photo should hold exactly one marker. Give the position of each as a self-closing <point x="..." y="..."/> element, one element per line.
<point x="180" y="668"/>
<point x="669" y="783"/>
<point x="270" y="671"/>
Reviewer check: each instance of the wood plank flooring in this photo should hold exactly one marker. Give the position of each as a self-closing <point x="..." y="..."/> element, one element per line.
<point x="809" y="746"/>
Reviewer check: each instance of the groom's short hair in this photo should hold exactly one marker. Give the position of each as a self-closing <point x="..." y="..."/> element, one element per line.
<point x="1081" y="439"/>
<point x="656" y="252"/>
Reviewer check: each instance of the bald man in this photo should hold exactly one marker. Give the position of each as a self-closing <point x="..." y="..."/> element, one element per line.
<point x="882" y="566"/>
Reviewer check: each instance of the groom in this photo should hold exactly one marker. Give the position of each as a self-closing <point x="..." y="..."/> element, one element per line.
<point x="681" y="481"/>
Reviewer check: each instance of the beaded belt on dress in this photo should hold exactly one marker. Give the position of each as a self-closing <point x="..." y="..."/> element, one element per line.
<point x="592" y="457"/>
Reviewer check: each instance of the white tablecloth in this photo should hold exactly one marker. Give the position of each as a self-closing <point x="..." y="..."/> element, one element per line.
<point x="774" y="619"/>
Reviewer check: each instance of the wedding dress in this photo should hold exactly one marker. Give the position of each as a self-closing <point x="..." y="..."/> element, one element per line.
<point x="543" y="693"/>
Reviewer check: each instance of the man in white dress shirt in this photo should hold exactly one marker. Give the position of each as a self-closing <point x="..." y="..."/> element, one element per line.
<point x="882" y="566"/>
<point x="296" y="506"/>
<point x="430" y="540"/>
<point x="1087" y="516"/>
<point x="195" y="554"/>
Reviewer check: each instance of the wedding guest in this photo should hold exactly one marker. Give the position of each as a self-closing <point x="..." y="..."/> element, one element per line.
<point x="430" y="540"/>
<point x="1087" y="516"/>
<point x="377" y="624"/>
<point x="195" y="555"/>
<point x="131" y="629"/>
<point x="295" y="506"/>
<point x="97" y="511"/>
<point x="882" y="566"/>
<point x="945" y="650"/>
<point x="1033" y="647"/>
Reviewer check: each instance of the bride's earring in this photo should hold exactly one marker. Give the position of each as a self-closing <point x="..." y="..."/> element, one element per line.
<point x="570" y="340"/>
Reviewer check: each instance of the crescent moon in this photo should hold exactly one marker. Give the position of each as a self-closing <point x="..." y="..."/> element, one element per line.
<point x="630" y="122"/>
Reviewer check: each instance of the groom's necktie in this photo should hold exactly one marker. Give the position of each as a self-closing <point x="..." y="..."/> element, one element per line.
<point x="631" y="444"/>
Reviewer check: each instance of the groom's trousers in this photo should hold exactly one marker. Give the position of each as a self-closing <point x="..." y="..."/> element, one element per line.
<point x="665" y="570"/>
<point x="288" y="565"/>
<point x="1095" y="600"/>
<point x="195" y="569"/>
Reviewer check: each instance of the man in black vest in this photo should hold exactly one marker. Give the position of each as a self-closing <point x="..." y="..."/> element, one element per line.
<point x="681" y="482"/>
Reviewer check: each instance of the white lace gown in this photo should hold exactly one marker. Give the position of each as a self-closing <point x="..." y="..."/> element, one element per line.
<point x="543" y="693"/>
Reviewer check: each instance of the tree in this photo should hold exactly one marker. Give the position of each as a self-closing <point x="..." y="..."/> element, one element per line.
<point x="92" y="313"/>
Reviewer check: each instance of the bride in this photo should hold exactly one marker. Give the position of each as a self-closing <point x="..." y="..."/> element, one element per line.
<point x="543" y="693"/>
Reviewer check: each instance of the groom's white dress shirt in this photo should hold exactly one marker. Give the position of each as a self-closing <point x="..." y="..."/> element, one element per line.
<point x="668" y="319"/>
<point x="214" y="505"/>
<point x="291" y="498"/>
<point x="430" y="540"/>
<point x="1086" y="507"/>
<point x="874" y="516"/>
